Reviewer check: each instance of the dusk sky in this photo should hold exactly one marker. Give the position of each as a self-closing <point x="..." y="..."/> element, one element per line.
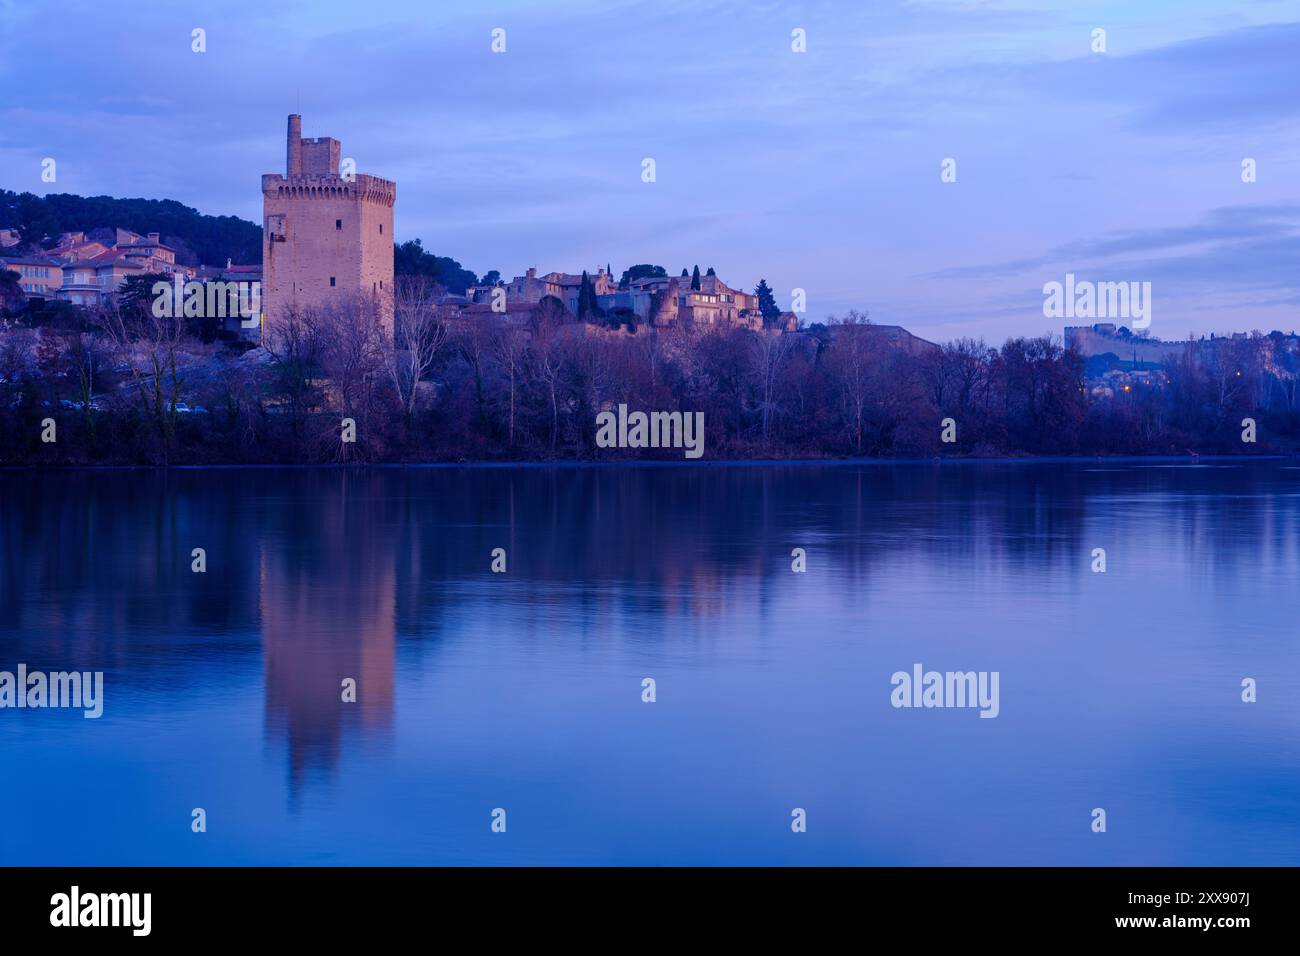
<point x="817" y="170"/>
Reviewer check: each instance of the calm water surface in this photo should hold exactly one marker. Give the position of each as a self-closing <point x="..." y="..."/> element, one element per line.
<point x="523" y="690"/>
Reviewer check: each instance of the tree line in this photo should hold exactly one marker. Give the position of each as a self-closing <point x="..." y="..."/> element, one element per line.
<point x="125" y="386"/>
<point x="197" y="238"/>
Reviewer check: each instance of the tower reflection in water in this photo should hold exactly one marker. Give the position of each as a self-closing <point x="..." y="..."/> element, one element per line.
<point x="327" y="592"/>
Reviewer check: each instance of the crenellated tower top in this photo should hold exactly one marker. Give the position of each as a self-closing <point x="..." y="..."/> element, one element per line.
<point x="312" y="172"/>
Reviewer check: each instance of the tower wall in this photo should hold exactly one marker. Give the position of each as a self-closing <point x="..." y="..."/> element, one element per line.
<point x="320" y="157"/>
<point x="317" y="227"/>
<point x="293" y="148"/>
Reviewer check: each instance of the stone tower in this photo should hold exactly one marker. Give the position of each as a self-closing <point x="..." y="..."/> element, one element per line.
<point x="326" y="237"/>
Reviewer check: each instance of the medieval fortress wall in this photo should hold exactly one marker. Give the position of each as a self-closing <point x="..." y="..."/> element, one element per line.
<point x="1105" y="337"/>
<point x="326" y="238"/>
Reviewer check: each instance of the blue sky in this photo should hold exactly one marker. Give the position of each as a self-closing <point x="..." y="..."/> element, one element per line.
<point x="817" y="170"/>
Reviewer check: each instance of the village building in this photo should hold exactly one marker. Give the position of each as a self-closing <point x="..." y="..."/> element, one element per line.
<point x="657" y="301"/>
<point x="88" y="272"/>
<point x="91" y="278"/>
<point x="531" y="288"/>
<point x="39" y="276"/>
<point x="667" y="300"/>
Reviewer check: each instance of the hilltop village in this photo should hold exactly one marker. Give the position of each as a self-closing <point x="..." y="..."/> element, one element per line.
<point x="330" y="352"/>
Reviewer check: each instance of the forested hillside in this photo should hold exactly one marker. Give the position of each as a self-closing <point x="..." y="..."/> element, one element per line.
<point x="196" y="237"/>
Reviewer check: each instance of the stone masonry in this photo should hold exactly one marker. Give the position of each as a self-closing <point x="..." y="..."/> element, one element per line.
<point x="326" y="238"/>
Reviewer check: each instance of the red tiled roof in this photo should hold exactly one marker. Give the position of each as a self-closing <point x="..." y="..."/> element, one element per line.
<point x="31" y="261"/>
<point x="79" y="247"/>
<point x="145" y="244"/>
<point x="114" y="257"/>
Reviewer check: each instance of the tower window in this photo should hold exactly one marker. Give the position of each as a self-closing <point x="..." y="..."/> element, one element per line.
<point x="331" y="282"/>
<point x="338" y="224"/>
<point x="381" y="228"/>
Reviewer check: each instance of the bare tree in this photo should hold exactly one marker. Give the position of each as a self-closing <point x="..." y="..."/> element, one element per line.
<point x="352" y="337"/>
<point x="510" y="345"/>
<point x="1228" y="365"/>
<point x="293" y="342"/>
<point x="1283" y="363"/>
<point x="473" y="337"/>
<point x="652" y="348"/>
<point x="149" y="343"/>
<point x="17" y="347"/>
<point x="419" y="338"/>
<point x="237" y="390"/>
<point x="956" y="374"/>
<point x="768" y="354"/>
<point x="592" y="361"/>
<point x="850" y="362"/>
<point x="967" y="361"/>
<point x="84" y="357"/>
<point x="548" y="360"/>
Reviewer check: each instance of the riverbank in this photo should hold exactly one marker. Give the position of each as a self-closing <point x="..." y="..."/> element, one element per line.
<point x="1189" y="460"/>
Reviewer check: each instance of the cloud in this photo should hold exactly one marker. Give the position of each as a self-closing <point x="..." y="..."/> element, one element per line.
<point x="1255" y="245"/>
<point x="1239" y="79"/>
<point x="816" y="170"/>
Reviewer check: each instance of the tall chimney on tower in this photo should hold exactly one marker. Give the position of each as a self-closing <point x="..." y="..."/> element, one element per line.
<point x="293" y="160"/>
